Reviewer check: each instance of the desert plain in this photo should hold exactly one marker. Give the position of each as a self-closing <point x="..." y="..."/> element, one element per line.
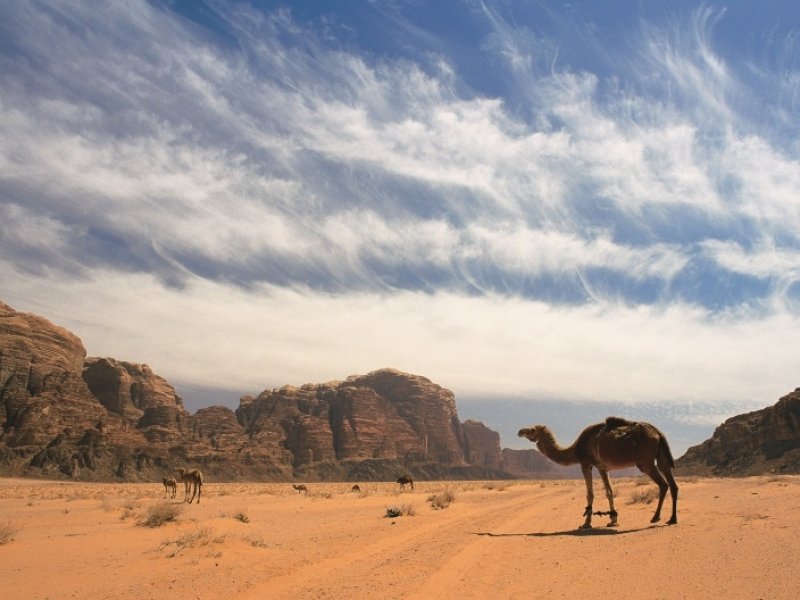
<point x="736" y="538"/>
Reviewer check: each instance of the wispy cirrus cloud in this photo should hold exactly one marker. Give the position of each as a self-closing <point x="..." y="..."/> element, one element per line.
<point x="624" y="227"/>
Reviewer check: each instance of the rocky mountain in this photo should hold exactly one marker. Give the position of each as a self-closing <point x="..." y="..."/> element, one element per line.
<point x="532" y="464"/>
<point x="66" y="415"/>
<point x="764" y="441"/>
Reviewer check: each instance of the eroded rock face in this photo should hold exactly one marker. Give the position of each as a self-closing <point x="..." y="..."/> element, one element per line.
<point x="482" y="445"/>
<point x="764" y="441"/>
<point x="532" y="464"/>
<point x="128" y="389"/>
<point x="42" y="393"/>
<point x="385" y="414"/>
<point x="102" y="418"/>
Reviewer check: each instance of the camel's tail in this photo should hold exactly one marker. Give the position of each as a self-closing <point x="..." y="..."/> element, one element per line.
<point x="663" y="446"/>
<point x="664" y="453"/>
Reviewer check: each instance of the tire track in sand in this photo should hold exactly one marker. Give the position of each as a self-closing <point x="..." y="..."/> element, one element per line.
<point x="400" y="563"/>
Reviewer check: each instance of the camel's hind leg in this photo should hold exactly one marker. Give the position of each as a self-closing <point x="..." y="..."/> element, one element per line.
<point x="610" y="496"/>
<point x="673" y="490"/>
<point x="656" y="476"/>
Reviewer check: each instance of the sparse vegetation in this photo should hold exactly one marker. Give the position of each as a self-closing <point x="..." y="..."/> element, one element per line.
<point x="255" y="541"/>
<point x="7" y="532"/>
<point x="442" y="500"/>
<point x="202" y="536"/>
<point x="161" y="513"/>
<point x="643" y="496"/>
<point x="404" y="510"/>
<point x="241" y="516"/>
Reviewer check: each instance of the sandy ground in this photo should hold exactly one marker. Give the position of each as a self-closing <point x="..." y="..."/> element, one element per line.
<point x="736" y="538"/>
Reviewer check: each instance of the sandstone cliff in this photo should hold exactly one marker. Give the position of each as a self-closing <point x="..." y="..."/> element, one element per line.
<point x="63" y="414"/>
<point x="532" y="464"/>
<point x="42" y="392"/>
<point x="482" y="445"/>
<point x="764" y="441"/>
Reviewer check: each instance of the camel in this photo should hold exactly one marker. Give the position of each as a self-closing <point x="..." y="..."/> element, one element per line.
<point x="404" y="480"/>
<point x="355" y="488"/>
<point x="191" y="478"/>
<point x="300" y="488"/>
<point x="170" y="485"/>
<point x="615" y="444"/>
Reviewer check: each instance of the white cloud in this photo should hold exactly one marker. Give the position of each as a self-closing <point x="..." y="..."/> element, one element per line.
<point x="279" y="153"/>
<point x="214" y="335"/>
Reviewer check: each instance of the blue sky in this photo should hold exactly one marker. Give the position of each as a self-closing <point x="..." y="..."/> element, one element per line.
<point x="556" y="210"/>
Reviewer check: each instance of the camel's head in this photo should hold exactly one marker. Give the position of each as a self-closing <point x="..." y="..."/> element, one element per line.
<point x="532" y="433"/>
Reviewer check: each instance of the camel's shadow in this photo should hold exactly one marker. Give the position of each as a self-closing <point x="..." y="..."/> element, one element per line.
<point x="570" y="532"/>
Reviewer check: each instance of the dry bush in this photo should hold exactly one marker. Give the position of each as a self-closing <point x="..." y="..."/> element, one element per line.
<point x="202" y="536"/>
<point x="7" y="532"/>
<point x="161" y="513"/>
<point x="240" y="515"/>
<point x="442" y="500"/>
<point x="643" y="496"/>
<point x="404" y="510"/>
<point x="255" y="541"/>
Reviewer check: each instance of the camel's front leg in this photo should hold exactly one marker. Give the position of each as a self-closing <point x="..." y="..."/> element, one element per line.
<point x="610" y="496"/>
<point x="587" y="477"/>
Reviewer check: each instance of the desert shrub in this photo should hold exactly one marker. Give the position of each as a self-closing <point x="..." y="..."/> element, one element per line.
<point x="240" y="515"/>
<point x="201" y="536"/>
<point x="7" y="532"/>
<point x="643" y="496"/>
<point x="255" y="541"/>
<point x="161" y="513"/>
<point x="443" y="499"/>
<point x="404" y="510"/>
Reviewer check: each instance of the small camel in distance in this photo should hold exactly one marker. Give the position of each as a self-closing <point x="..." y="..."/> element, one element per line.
<point x="170" y="485"/>
<point x="301" y="489"/>
<point x="615" y="444"/>
<point x="405" y="480"/>
<point x="191" y="478"/>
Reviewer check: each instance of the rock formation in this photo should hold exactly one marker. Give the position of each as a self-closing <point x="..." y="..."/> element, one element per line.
<point x="764" y="441"/>
<point x="482" y="445"/>
<point x="532" y="464"/>
<point x="100" y="418"/>
<point x="42" y="393"/>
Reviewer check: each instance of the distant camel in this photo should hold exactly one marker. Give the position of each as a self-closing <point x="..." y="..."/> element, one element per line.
<point x="355" y="488"/>
<point x="300" y="488"/>
<point x="404" y="480"/>
<point x="615" y="444"/>
<point x="191" y="478"/>
<point x="170" y="485"/>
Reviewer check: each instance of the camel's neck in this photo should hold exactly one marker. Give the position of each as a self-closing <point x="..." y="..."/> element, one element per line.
<point x="549" y="447"/>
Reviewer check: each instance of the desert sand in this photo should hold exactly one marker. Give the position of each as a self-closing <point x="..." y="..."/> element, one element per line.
<point x="736" y="538"/>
